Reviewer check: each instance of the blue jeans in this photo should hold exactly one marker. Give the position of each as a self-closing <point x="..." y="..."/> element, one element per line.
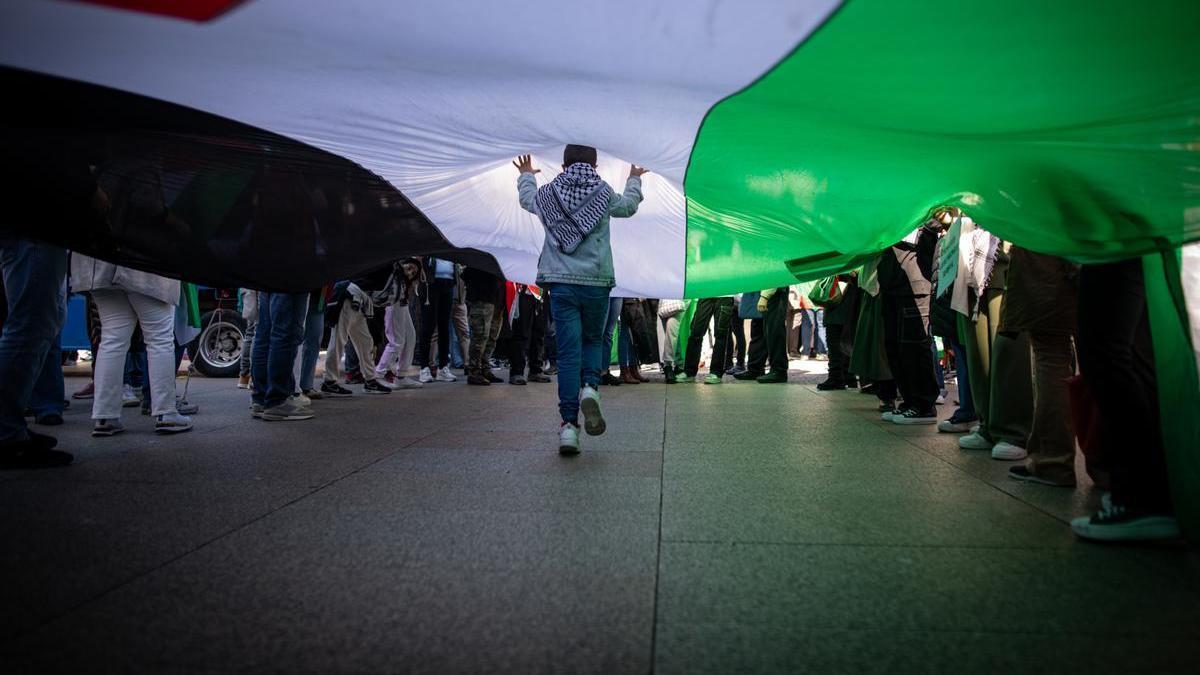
<point x="610" y="325"/>
<point x="34" y="275"/>
<point x="579" y="315"/>
<point x="48" y="389"/>
<point x="456" y="355"/>
<point x="280" y="332"/>
<point x="966" y="404"/>
<point x="314" y="328"/>
<point x="626" y="354"/>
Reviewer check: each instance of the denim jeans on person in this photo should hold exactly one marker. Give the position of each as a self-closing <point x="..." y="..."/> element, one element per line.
<point x="610" y="327"/>
<point x="314" y="329"/>
<point x="626" y="354"/>
<point x="579" y="316"/>
<point x="33" y="278"/>
<point x="280" y="332"/>
<point x="49" y="390"/>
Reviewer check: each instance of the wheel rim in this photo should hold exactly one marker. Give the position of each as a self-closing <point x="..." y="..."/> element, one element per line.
<point x="221" y="345"/>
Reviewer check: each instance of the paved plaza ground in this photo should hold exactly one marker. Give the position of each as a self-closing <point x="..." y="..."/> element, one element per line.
<point x="732" y="528"/>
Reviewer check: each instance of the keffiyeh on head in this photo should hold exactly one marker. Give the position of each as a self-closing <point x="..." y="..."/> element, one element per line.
<point x="572" y="204"/>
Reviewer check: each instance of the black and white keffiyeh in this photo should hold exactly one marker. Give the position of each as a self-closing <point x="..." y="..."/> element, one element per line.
<point x="572" y="204"/>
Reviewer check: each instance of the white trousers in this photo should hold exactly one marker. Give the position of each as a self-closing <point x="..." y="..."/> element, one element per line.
<point x="121" y="312"/>
<point x="401" y="342"/>
<point x="352" y="325"/>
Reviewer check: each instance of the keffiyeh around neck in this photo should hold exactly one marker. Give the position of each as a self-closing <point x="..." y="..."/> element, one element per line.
<point x="572" y="204"/>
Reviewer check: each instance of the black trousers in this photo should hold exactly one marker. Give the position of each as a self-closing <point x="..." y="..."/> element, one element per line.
<point x="737" y="345"/>
<point x="1116" y="357"/>
<point x="775" y="331"/>
<point x="756" y="362"/>
<point x="706" y="310"/>
<point x="909" y="349"/>
<point x="839" y="361"/>
<point x="528" y="336"/>
<point x="435" y="315"/>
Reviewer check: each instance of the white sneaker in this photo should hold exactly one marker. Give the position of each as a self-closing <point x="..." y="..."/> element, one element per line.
<point x="130" y="397"/>
<point x="1008" y="452"/>
<point x="444" y="375"/>
<point x="950" y="427"/>
<point x="886" y="416"/>
<point x="974" y="428"/>
<point x="425" y="377"/>
<point x="568" y="439"/>
<point x="302" y="399"/>
<point x="973" y="441"/>
<point x="406" y="383"/>
<point x="593" y="418"/>
<point x="712" y="378"/>
<point x="172" y="423"/>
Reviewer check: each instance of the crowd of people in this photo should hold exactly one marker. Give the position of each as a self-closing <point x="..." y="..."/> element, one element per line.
<point x="1030" y="337"/>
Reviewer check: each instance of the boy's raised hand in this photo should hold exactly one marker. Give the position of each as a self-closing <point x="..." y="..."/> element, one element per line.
<point x="636" y="171"/>
<point x="524" y="164"/>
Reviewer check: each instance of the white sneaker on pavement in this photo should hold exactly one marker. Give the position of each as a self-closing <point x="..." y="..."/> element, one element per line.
<point x="130" y="397"/>
<point x="406" y="383"/>
<point x="593" y="417"/>
<point x="172" y="423"/>
<point x="444" y="375"/>
<point x="973" y="441"/>
<point x="568" y="439"/>
<point x="425" y="377"/>
<point x="1008" y="452"/>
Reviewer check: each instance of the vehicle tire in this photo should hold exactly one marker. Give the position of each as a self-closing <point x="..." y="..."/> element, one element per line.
<point x="217" y="350"/>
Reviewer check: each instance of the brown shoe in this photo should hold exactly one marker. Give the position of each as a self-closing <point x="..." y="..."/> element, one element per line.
<point x="627" y="376"/>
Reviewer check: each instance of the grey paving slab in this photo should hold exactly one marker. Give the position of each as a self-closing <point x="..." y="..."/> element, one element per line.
<point x="299" y="591"/>
<point x="740" y="648"/>
<point x="65" y="542"/>
<point x="738" y="528"/>
<point x="1074" y="588"/>
<point x="432" y="491"/>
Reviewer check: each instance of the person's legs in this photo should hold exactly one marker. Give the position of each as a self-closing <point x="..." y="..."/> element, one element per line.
<point x="250" y="316"/>
<point x="441" y="290"/>
<point x="962" y="371"/>
<point x="157" y="320"/>
<point x="353" y="324"/>
<point x="806" y="332"/>
<point x="1052" y="438"/>
<point x="117" y="321"/>
<point x="723" y="313"/>
<point x="1010" y="417"/>
<point x="314" y="328"/>
<point x="705" y="308"/>
<point x="775" y="334"/>
<point x="593" y="312"/>
<point x="479" y="314"/>
<point x="914" y="369"/>
<point x="837" y="359"/>
<point x="262" y="350"/>
<point x="389" y="354"/>
<point x="287" y="332"/>
<point x="33" y="276"/>
<point x="737" y="328"/>
<point x="537" y="338"/>
<point x="625" y="349"/>
<point x="522" y="329"/>
<point x="613" y="313"/>
<point x="49" y="389"/>
<point x="353" y="364"/>
<point x="670" y="340"/>
<point x="496" y="326"/>
<point x="568" y="308"/>
<point x="819" y="345"/>
<point x="337" y="346"/>
<point x="1116" y="357"/>
<point x="462" y="332"/>
<point x="428" y="309"/>
<point x="756" y="351"/>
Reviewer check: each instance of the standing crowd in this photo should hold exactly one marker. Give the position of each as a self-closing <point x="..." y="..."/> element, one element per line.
<point x="1032" y="339"/>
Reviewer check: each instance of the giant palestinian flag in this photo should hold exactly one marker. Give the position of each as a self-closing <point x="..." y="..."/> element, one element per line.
<point x="283" y="143"/>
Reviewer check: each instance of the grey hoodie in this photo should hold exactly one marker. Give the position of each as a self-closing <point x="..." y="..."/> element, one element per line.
<point x="591" y="264"/>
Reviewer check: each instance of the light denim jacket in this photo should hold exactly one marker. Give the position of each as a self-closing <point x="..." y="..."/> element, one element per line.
<point x="591" y="264"/>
